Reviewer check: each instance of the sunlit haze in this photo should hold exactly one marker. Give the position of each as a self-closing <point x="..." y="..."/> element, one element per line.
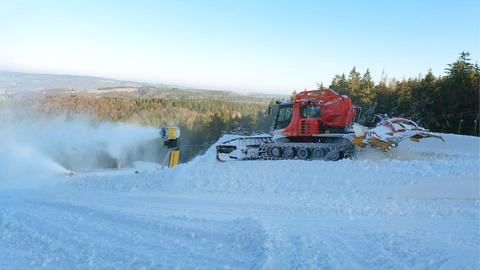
<point x="260" y="46"/>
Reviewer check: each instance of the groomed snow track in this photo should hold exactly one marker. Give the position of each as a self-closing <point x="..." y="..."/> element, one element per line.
<point x="416" y="207"/>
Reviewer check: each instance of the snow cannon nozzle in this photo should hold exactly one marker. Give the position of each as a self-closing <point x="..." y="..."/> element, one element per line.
<point x="170" y="133"/>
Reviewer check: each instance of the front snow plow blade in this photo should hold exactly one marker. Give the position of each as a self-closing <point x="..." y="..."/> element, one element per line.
<point x="419" y="136"/>
<point x="224" y="149"/>
<point x="389" y="132"/>
<point x="384" y="145"/>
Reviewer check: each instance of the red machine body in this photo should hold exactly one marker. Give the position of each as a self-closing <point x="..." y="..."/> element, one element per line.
<point x="313" y="112"/>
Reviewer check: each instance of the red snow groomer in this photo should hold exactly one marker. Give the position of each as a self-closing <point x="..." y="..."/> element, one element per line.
<point x="318" y="124"/>
<point x="311" y="115"/>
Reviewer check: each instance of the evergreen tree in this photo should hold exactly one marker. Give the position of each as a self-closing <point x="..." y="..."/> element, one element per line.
<point x="340" y="84"/>
<point x="367" y="88"/>
<point x="460" y="94"/>
<point x="353" y="84"/>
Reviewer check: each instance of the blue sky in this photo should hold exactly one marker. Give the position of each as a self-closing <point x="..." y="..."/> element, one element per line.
<point x="261" y="46"/>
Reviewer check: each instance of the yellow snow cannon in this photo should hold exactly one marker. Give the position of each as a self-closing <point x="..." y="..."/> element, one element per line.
<point x="170" y="136"/>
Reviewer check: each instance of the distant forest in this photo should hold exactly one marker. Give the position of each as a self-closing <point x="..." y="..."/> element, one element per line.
<point x="448" y="103"/>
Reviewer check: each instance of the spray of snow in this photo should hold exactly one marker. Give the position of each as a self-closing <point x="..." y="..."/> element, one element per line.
<point x="39" y="150"/>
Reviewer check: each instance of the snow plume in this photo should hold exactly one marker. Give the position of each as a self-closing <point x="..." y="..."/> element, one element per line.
<point x="33" y="148"/>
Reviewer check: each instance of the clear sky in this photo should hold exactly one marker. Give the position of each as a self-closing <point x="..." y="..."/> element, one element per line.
<point x="262" y="46"/>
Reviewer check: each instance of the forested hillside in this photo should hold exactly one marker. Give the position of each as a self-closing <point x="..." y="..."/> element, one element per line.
<point x="448" y="103"/>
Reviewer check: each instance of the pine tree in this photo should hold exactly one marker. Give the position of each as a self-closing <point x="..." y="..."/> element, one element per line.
<point x="340" y="84"/>
<point x="354" y="85"/>
<point x="460" y="92"/>
<point x="367" y="87"/>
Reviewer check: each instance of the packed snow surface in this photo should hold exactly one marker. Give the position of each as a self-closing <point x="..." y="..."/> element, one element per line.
<point x="416" y="207"/>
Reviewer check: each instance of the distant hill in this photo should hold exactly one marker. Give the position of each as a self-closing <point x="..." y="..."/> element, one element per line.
<point x="17" y="83"/>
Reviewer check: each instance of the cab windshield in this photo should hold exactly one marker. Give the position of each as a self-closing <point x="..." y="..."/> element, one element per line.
<point x="284" y="116"/>
<point x="310" y="111"/>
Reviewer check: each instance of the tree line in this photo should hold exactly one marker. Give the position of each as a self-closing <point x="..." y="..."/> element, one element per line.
<point x="448" y="103"/>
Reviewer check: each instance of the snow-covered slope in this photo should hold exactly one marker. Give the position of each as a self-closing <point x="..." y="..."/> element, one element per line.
<point x="416" y="207"/>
